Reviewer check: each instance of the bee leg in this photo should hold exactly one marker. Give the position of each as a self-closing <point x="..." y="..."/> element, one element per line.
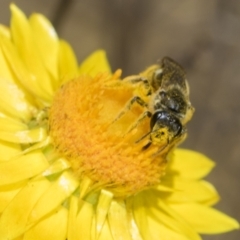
<point x="146" y="114"/>
<point x="135" y="99"/>
<point x="142" y="84"/>
<point x="131" y="80"/>
<point x="135" y="79"/>
<point x="165" y="147"/>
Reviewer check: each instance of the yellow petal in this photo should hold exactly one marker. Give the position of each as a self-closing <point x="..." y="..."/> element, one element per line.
<point x="5" y="71"/>
<point x="61" y="189"/>
<point x="160" y="231"/>
<point x="38" y="146"/>
<point x="190" y="191"/>
<point x="27" y="136"/>
<point x="205" y="219"/>
<point x="11" y="125"/>
<point x="13" y="221"/>
<point x="190" y="164"/>
<point x="133" y="228"/>
<point x="19" y="238"/>
<point x="84" y="221"/>
<point x="58" y="166"/>
<point x="47" y="43"/>
<point x="93" y="228"/>
<point x="73" y="210"/>
<point x="161" y="212"/>
<point x="16" y="65"/>
<point x="23" y="39"/>
<point x="53" y="227"/>
<point x="85" y="186"/>
<point x="96" y="63"/>
<point x="8" y="150"/>
<point x="104" y="202"/>
<point x="22" y="168"/>
<point x="7" y="193"/>
<point x="16" y="105"/>
<point x="68" y="67"/>
<point x="118" y="221"/>
<point x="4" y="31"/>
<point x="140" y="212"/>
<point x="106" y="233"/>
<point x="163" y="187"/>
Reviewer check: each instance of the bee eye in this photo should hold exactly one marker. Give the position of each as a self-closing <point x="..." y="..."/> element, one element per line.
<point x="164" y="118"/>
<point x="156" y="116"/>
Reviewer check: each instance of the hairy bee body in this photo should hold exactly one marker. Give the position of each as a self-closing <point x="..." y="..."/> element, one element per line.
<point x="163" y="92"/>
<point x="169" y="89"/>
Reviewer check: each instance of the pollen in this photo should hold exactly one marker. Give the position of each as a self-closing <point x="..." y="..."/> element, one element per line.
<point x="85" y="128"/>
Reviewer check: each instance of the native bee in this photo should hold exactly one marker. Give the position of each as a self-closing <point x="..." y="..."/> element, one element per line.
<point x="163" y="92"/>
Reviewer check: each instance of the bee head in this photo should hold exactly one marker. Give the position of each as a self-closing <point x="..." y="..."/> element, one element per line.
<point x="164" y="127"/>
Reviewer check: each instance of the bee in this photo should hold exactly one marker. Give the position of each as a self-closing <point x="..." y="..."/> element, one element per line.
<point x="163" y="92"/>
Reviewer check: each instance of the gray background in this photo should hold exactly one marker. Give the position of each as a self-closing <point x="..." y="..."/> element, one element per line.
<point x="204" y="36"/>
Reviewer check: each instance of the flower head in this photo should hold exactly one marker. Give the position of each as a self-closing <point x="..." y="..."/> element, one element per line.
<point x="70" y="167"/>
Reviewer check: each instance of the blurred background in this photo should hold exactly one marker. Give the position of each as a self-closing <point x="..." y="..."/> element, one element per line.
<point x="203" y="36"/>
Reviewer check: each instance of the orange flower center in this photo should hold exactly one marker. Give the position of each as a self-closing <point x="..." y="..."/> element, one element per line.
<point x="85" y="129"/>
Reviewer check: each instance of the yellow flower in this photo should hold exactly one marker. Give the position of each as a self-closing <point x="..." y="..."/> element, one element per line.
<point x="66" y="172"/>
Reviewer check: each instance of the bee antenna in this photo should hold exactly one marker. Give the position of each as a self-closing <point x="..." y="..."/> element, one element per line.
<point x="161" y="149"/>
<point x="140" y="139"/>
